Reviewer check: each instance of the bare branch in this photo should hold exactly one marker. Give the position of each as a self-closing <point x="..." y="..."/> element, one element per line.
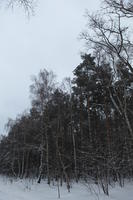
<point x="27" y="5"/>
<point x="125" y="8"/>
<point x="109" y="35"/>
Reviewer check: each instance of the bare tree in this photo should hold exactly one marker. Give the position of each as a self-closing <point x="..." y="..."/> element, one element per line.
<point x="124" y="7"/>
<point x="110" y="38"/>
<point x="41" y="89"/>
<point x="28" y="5"/>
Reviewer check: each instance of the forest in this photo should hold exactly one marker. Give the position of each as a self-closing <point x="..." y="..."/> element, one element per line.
<point x="82" y="128"/>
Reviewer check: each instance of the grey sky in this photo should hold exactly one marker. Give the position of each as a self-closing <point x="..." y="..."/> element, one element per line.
<point x="46" y="40"/>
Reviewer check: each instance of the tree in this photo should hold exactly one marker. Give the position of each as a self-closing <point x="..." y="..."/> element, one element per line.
<point x="109" y="39"/>
<point x="84" y="85"/>
<point x="28" y="5"/>
<point x="42" y="90"/>
<point x="125" y="8"/>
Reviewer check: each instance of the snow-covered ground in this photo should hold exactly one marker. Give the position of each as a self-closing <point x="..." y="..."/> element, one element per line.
<point x="30" y="190"/>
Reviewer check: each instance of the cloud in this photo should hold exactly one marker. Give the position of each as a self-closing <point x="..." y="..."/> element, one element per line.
<point x="46" y="40"/>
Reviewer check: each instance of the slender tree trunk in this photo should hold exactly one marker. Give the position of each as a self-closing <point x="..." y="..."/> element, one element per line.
<point x="89" y="119"/>
<point x="23" y="164"/>
<point x="47" y="155"/>
<point x="75" y="157"/>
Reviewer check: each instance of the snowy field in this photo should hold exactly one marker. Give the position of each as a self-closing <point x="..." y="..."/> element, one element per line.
<point x="30" y="190"/>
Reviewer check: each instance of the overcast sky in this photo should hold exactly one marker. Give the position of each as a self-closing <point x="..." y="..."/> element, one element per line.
<point x="47" y="40"/>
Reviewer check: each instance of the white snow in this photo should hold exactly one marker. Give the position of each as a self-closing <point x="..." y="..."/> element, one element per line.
<point x="30" y="190"/>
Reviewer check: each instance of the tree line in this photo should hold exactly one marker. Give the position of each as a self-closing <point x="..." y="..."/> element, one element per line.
<point x="83" y="128"/>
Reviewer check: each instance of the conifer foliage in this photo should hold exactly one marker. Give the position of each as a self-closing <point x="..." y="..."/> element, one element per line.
<point x="78" y="132"/>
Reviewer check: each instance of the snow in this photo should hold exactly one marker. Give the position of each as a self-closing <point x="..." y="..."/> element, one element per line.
<point x="30" y="190"/>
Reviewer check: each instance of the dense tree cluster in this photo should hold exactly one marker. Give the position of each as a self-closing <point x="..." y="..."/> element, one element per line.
<point x="82" y="129"/>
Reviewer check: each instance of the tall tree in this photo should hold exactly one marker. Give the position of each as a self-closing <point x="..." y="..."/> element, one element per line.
<point x="42" y="89"/>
